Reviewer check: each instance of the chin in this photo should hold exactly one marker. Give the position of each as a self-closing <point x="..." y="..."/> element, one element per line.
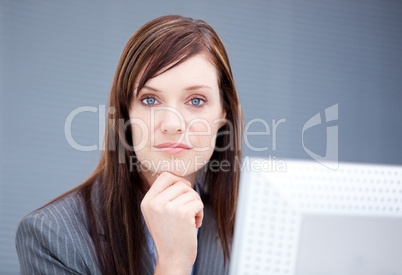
<point x="176" y="173"/>
<point x="182" y="165"/>
<point x="179" y="167"/>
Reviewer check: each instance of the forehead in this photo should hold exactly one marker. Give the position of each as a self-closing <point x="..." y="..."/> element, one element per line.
<point x="197" y="70"/>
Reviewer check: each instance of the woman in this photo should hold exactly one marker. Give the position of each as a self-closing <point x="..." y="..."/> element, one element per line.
<point x="171" y="164"/>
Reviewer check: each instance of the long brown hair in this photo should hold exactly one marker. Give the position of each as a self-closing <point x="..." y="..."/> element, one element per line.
<point x="115" y="223"/>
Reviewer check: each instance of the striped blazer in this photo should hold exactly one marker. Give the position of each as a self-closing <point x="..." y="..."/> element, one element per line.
<point x="55" y="240"/>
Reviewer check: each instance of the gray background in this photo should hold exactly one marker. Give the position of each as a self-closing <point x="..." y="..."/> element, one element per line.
<point x="290" y="59"/>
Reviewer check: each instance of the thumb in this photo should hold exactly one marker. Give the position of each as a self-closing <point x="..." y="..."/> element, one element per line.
<point x="198" y="219"/>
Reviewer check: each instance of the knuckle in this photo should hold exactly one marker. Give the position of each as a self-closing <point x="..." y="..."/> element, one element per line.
<point x="197" y="196"/>
<point x="194" y="197"/>
<point x="142" y="205"/>
<point x="154" y="206"/>
<point x="185" y="186"/>
<point x="183" y="212"/>
<point x="200" y="204"/>
<point x="164" y="175"/>
<point x="181" y="186"/>
<point x="168" y="175"/>
<point x="170" y="208"/>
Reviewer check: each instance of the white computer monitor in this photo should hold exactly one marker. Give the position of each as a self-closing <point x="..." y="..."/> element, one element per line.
<point x="307" y="219"/>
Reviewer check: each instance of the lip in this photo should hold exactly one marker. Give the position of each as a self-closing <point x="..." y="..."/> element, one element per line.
<point x="172" y="148"/>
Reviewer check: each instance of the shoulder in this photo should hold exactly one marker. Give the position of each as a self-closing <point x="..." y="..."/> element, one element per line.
<point x="55" y="238"/>
<point x="66" y="215"/>
<point x="64" y="209"/>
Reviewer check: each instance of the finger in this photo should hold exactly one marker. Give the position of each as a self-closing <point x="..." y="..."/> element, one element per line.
<point x="164" y="180"/>
<point x="199" y="217"/>
<point x="197" y="207"/>
<point x="198" y="220"/>
<point x="183" y="198"/>
<point x="174" y="191"/>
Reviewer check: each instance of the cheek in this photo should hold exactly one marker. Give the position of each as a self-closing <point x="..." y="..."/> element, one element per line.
<point x="203" y="133"/>
<point x="138" y="136"/>
<point x="140" y="131"/>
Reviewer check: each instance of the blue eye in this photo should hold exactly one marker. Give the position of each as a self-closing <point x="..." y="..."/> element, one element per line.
<point x="149" y="101"/>
<point x="196" y="101"/>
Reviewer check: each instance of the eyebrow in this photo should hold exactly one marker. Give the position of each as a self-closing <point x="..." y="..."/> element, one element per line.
<point x="150" y="88"/>
<point x="197" y="87"/>
<point x="190" y="88"/>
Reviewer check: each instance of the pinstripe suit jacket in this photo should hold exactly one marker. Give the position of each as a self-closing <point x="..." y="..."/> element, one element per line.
<point x="55" y="240"/>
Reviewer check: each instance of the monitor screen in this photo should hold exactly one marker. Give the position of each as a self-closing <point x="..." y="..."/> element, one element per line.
<point x="307" y="219"/>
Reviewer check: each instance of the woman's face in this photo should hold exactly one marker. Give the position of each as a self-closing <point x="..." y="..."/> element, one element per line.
<point x="175" y="119"/>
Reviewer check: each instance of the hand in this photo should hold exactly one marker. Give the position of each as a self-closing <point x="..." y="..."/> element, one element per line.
<point x="173" y="211"/>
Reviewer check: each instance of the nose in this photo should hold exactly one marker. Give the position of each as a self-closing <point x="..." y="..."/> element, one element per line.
<point x="172" y="121"/>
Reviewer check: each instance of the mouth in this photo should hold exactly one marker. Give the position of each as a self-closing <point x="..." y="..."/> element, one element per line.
<point x="172" y="148"/>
